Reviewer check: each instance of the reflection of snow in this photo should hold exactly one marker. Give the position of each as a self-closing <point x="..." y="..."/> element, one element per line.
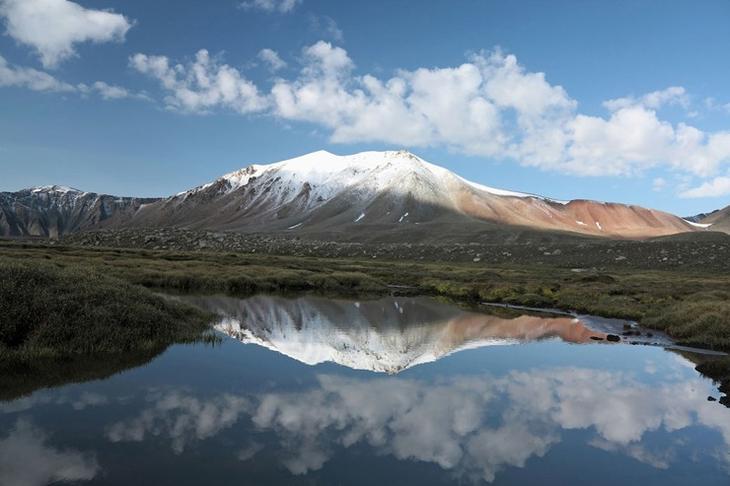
<point x="385" y="335"/>
<point x="27" y="460"/>
<point x="445" y="422"/>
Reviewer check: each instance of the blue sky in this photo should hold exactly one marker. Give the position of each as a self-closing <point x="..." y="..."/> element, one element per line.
<point x="619" y="101"/>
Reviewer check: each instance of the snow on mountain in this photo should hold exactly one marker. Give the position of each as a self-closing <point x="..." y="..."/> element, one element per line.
<point x="387" y="335"/>
<point x="55" y="189"/>
<point x="327" y="196"/>
<point x="329" y="174"/>
<point x="698" y="225"/>
<point x="322" y="192"/>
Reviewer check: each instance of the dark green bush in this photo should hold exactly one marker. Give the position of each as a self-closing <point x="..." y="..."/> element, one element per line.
<point x="49" y="310"/>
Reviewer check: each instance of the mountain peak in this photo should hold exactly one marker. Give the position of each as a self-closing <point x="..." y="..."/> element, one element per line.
<point x="364" y="195"/>
<point x="56" y="189"/>
<point x="404" y="154"/>
<point x="321" y="193"/>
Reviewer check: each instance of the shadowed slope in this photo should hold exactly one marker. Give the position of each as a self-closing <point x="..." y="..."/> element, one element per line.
<point x="322" y="193"/>
<point x="53" y="211"/>
<point x="371" y="193"/>
<point x="720" y="220"/>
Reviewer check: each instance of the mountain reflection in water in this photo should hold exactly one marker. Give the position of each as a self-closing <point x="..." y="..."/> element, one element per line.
<point x="387" y="335"/>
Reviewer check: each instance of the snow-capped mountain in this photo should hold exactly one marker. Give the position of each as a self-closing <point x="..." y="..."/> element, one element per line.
<point x="56" y="210"/>
<point x="323" y="193"/>
<point x="386" y="335"/>
<point x="394" y="195"/>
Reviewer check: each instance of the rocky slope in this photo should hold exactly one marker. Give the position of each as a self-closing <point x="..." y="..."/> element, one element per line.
<point x="53" y="211"/>
<point x="370" y="196"/>
<point x="717" y="220"/>
<point x="705" y="251"/>
<point x="375" y="192"/>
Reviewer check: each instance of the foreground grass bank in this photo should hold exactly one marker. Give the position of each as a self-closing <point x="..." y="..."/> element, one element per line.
<point x="691" y="306"/>
<point x="56" y="311"/>
<point x="55" y="320"/>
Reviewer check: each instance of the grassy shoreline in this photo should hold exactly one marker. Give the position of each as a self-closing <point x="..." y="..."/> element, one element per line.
<point x="50" y="311"/>
<point x="692" y="307"/>
<point x="61" y="324"/>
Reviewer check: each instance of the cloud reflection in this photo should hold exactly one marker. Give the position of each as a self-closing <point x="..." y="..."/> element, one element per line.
<point x="80" y="401"/>
<point x="26" y="459"/>
<point x="181" y="418"/>
<point x="472" y="426"/>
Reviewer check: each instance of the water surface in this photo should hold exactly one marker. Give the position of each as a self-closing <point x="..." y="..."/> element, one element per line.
<point x="393" y="391"/>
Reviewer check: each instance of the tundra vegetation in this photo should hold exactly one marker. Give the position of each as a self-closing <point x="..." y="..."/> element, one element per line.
<point x="60" y="300"/>
<point x="62" y="323"/>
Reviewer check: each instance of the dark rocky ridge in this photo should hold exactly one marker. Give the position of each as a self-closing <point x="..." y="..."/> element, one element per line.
<point x="54" y="211"/>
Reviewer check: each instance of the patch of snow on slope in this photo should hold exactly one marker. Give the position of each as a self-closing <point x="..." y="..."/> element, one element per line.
<point x="504" y="192"/>
<point x="55" y="188"/>
<point x="698" y="225"/>
<point x="362" y="215"/>
<point x="194" y="190"/>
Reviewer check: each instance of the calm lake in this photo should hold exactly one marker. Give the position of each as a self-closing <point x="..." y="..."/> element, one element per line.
<point x="390" y="391"/>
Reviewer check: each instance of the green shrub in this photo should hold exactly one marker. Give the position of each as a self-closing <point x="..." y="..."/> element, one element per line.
<point x="47" y="310"/>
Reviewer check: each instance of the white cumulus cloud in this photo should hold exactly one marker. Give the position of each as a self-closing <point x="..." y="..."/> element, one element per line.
<point x="269" y="6"/>
<point x="54" y="27"/>
<point x="717" y="187"/>
<point x="114" y="92"/>
<point x="202" y="84"/>
<point x="488" y="106"/>
<point x="16" y="76"/>
<point x="325" y="27"/>
<point x="35" y="80"/>
<point x="272" y="59"/>
<point x="674" y="95"/>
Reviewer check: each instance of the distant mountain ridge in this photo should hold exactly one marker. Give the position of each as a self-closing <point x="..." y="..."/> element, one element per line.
<point x="718" y="220"/>
<point x="52" y="211"/>
<point x="331" y="196"/>
<point x="698" y="218"/>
